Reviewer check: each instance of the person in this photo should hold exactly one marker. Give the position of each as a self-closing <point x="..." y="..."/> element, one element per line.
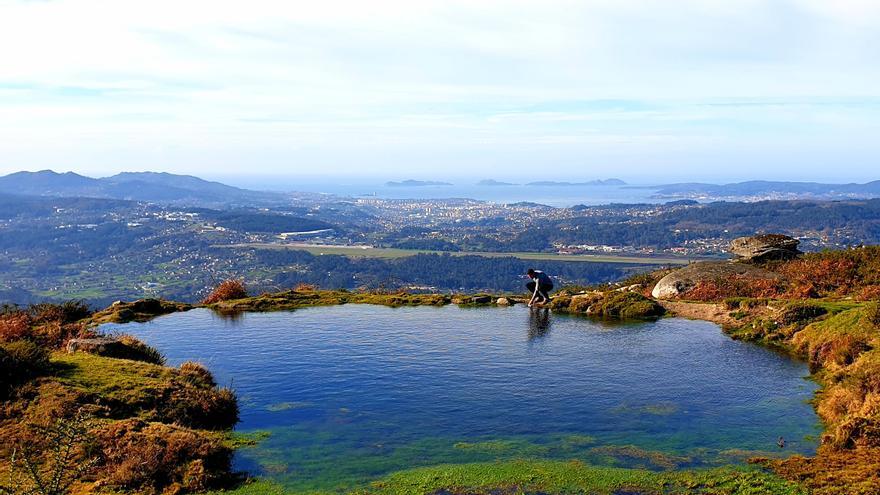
<point x="540" y="286"/>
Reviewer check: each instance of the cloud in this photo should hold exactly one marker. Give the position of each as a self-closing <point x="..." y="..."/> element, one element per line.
<point x="207" y="81"/>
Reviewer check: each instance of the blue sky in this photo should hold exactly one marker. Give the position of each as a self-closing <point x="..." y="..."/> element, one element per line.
<point x="643" y="90"/>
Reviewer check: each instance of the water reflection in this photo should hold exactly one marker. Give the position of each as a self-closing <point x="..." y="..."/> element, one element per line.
<point x="229" y="318"/>
<point x="539" y="323"/>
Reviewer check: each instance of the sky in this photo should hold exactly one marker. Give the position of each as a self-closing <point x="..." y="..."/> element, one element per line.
<point x="647" y="91"/>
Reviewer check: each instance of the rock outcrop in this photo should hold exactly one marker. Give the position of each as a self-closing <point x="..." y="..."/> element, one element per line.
<point x="140" y="310"/>
<point x="679" y="282"/>
<point x="102" y="346"/>
<point x="765" y="247"/>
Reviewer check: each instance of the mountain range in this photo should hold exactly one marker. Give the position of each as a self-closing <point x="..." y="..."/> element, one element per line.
<point x="158" y="187"/>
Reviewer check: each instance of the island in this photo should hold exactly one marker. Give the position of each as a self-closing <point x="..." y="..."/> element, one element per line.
<point x="598" y="182"/>
<point x="493" y="182"/>
<point x="416" y="183"/>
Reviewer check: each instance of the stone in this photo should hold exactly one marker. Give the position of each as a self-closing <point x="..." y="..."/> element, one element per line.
<point x="629" y="288"/>
<point x="764" y="247"/>
<point x="102" y="346"/>
<point x="503" y="301"/>
<point x="481" y="299"/>
<point x="684" y="279"/>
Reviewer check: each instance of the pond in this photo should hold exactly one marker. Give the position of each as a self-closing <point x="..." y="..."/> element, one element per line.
<point x="346" y="394"/>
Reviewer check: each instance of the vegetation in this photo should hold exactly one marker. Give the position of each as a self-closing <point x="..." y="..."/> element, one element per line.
<point x="608" y="304"/>
<point x="154" y="428"/>
<point x="570" y="477"/>
<point x="822" y="311"/>
<point x="227" y="291"/>
<point x="32" y="474"/>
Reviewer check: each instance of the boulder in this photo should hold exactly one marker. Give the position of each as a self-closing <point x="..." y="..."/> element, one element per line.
<point x="682" y="280"/>
<point x="102" y="346"/>
<point x="503" y="301"/>
<point x="765" y="247"/>
<point x="481" y="300"/>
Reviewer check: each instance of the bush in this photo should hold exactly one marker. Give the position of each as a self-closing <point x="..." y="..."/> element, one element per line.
<point x="197" y="374"/>
<point x="20" y="361"/>
<point x="801" y="312"/>
<point x="152" y="457"/>
<point x="14" y="326"/>
<point x="203" y="408"/>
<point x="227" y="291"/>
<point x="872" y="313"/>
<point x="67" y="312"/>
<point x="869" y="293"/>
<point x="628" y="305"/>
<point x="136" y="350"/>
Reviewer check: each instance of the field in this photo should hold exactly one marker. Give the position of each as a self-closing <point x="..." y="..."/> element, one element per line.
<point x="391" y="253"/>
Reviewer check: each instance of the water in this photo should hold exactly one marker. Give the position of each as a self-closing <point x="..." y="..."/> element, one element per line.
<point x="350" y="393"/>
<point x="559" y="196"/>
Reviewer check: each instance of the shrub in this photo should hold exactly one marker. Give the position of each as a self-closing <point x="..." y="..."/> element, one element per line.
<point x="303" y="287"/>
<point x="872" y="313"/>
<point x="67" y="312"/>
<point x="14" y="326"/>
<point x="833" y="273"/>
<point x="136" y="350"/>
<point x="209" y="409"/>
<point x="801" y="312"/>
<point x="869" y="293"/>
<point x="20" y="361"/>
<point x="227" y="291"/>
<point x="197" y="374"/>
<point x="737" y="286"/>
<point x="152" y="457"/>
<point x="628" y="305"/>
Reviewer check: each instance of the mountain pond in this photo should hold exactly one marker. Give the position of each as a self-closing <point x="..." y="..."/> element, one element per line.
<point x="347" y="394"/>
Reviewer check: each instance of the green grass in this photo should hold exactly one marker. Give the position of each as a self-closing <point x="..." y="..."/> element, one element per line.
<point x="559" y="478"/>
<point x="392" y="253"/>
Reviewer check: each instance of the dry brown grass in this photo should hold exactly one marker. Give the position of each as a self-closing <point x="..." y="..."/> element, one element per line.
<point x="228" y="290"/>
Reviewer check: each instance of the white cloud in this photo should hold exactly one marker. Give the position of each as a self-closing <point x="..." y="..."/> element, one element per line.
<point x="118" y="81"/>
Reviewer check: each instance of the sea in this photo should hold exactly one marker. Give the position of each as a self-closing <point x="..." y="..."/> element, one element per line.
<point x="551" y="195"/>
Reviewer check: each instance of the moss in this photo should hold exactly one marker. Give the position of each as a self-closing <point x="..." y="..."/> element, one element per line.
<point x="837" y="341"/>
<point x="295" y="299"/>
<point x="628" y="305"/>
<point x="238" y="439"/>
<point x="569" y="477"/>
<point x="147" y="391"/>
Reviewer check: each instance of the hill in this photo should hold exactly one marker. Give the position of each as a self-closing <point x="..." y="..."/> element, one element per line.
<point x="138" y="186"/>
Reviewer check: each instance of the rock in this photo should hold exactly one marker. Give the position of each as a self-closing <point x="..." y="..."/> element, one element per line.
<point x="458" y="300"/>
<point x="680" y="281"/>
<point x="102" y="346"/>
<point x="629" y="288"/>
<point x="503" y="301"/>
<point x="481" y="300"/>
<point x="765" y="247"/>
<point x="140" y="310"/>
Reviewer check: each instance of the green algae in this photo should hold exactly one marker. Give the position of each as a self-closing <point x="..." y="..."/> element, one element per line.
<point x="556" y="478"/>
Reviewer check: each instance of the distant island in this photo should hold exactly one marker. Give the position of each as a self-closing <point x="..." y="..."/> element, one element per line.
<point x="599" y="182"/>
<point x="493" y="182"/>
<point x="416" y="183"/>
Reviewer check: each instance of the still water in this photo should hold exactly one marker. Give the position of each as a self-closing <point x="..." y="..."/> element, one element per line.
<point x="350" y="393"/>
